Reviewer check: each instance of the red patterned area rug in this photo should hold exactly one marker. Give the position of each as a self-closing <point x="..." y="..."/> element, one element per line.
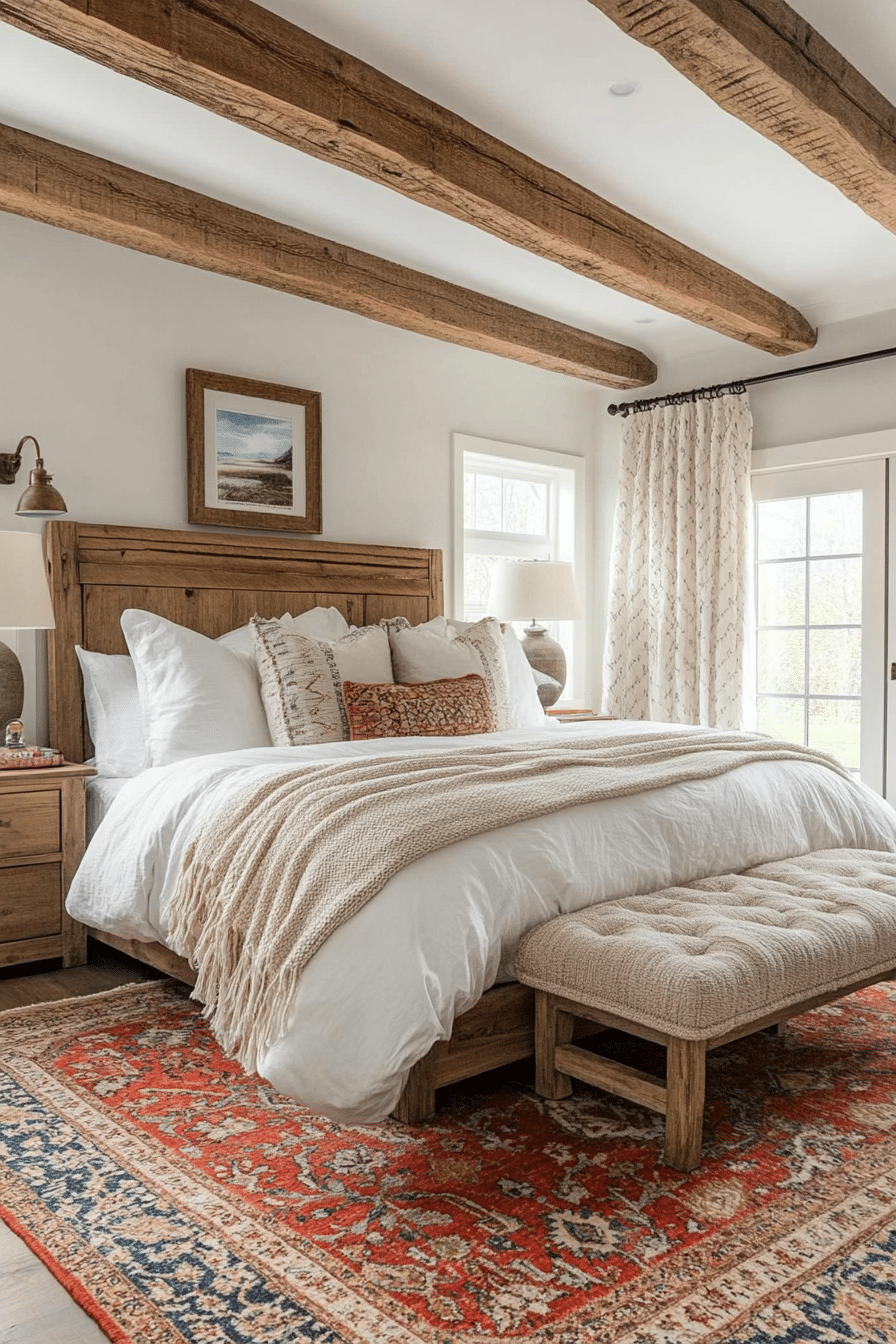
<point x="179" y="1200"/>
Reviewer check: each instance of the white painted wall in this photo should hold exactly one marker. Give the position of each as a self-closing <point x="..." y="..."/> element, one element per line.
<point x="94" y="341"/>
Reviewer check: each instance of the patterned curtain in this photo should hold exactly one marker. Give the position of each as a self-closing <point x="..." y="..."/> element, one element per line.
<point x="675" y="642"/>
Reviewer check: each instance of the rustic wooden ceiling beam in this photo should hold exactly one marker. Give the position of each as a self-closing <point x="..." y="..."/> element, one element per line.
<point x="243" y="62"/>
<point x="763" y="63"/>
<point x="65" y="187"/>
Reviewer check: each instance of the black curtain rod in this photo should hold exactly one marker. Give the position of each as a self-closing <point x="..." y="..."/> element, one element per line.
<point x="625" y="408"/>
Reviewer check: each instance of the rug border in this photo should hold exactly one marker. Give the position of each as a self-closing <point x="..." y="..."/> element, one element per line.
<point x="47" y="1005"/>
<point x="76" y="1289"/>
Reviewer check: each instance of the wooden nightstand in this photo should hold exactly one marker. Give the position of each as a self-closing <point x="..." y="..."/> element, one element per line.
<point x="41" y="844"/>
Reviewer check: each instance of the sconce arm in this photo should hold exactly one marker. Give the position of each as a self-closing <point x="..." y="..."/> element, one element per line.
<point x="10" y="462"/>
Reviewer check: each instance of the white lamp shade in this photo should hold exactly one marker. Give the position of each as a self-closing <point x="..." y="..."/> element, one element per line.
<point x="533" y="590"/>
<point x="24" y="595"/>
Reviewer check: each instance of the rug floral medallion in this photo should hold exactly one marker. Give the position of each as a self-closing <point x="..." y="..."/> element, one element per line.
<point x="179" y="1200"/>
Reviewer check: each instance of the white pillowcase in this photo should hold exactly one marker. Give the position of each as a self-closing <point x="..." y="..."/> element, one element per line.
<point x="319" y="623"/>
<point x="422" y="654"/>
<point x="113" y="712"/>
<point x="526" y="710"/>
<point x="116" y="715"/>
<point x="301" y="679"/>
<point x="197" y="697"/>
<point x="438" y="624"/>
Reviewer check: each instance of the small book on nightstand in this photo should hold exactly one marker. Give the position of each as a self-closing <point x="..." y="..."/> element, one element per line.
<point x="29" y="758"/>
<point x="17" y="755"/>
<point x="577" y="715"/>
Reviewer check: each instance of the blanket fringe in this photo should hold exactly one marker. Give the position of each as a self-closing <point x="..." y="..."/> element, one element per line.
<point x="245" y="1008"/>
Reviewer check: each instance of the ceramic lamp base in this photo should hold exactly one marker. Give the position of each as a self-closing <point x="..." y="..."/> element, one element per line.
<point x="12" y="688"/>
<point x="546" y="655"/>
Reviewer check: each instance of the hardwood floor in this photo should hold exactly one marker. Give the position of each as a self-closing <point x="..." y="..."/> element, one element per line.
<point x="34" y="1307"/>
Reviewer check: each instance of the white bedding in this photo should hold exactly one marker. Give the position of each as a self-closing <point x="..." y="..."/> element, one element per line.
<point x="101" y="792"/>
<point x="389" y="983"/>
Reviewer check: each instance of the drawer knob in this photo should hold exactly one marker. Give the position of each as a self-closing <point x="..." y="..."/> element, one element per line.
<point x="5" y="823"/>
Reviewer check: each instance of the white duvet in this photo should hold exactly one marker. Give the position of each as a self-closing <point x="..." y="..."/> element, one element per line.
<point x="390" y="981"/>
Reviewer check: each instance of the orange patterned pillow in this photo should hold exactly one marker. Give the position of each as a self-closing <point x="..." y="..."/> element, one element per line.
<point x="449" y="708"/>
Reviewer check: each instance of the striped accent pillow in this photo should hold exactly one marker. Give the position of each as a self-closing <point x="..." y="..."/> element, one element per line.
<point x="301" y="679"/>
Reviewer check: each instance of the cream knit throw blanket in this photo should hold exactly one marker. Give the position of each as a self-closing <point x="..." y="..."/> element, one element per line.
<point x="286" y="861"/>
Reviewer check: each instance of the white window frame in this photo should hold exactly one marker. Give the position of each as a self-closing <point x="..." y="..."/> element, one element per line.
<point x="567" y="539"/>
<point x="878" y="445"/>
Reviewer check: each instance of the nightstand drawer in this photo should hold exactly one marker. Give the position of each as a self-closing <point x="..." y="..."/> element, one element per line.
<point x="30" y="823"/>
<point x="30" y="901"/>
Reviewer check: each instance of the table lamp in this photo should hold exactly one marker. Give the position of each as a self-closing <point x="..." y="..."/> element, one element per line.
<point x="24" y="605"/>
<point x="526" y="589"/>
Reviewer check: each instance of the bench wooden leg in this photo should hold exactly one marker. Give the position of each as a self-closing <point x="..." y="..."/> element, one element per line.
<point x="552" y="1028"/>
<point x="685" y="1096"/>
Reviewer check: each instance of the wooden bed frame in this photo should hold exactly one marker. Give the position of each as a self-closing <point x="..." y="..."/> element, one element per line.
<point x="214" y="582"/>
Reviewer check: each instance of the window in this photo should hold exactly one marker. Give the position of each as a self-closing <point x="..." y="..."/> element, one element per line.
<point x="519" y="503"/>
<point x="819" y="542"/>
<point x="809" y="631"/>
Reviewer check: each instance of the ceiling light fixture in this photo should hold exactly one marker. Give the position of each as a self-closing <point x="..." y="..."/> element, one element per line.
<point x="623" y="88"/>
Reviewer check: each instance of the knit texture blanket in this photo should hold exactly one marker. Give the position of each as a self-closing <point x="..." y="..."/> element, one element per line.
<point x="288" y="860"/>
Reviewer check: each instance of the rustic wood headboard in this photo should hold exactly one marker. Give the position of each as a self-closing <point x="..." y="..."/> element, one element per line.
<point x="211" y="582"/>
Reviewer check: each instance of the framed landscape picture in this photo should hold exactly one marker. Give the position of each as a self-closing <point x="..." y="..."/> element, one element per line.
<point x="253" y="452"/>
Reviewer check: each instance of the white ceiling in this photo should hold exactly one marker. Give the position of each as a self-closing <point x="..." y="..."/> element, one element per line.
<point x="535" y="73"/>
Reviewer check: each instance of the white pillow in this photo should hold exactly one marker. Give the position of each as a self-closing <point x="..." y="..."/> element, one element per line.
<point x="197" y="696"/>
<point x="421" y="654"/>
<point x="301" y="679"/>
<point x="318" y="623"/>
<point x="438" y="624"/>
<point x="526" y="710"/>
<point x="113" y="712"/>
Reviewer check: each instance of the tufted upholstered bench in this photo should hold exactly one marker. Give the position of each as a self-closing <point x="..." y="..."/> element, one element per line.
<point x="693" y="967"/>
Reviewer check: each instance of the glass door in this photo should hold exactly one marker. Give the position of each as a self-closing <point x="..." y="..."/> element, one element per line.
<point x="820" y="594"/>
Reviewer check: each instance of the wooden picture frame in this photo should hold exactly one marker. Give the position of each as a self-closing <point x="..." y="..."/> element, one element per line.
<point x="253" y="453"/>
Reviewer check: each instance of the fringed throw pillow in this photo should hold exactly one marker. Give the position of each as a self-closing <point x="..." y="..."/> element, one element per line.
<point x="301" y="679"/>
